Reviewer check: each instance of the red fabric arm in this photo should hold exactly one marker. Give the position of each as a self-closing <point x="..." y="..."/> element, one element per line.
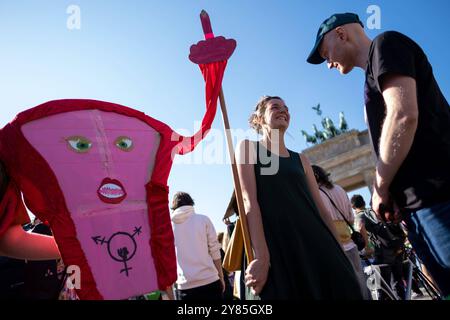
<point x="213" y="75"/>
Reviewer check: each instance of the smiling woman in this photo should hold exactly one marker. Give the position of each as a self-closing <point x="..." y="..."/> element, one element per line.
<point x="290" y="230"/>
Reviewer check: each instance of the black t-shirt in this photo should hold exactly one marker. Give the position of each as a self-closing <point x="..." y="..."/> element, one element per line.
<point x="423" y="179"/>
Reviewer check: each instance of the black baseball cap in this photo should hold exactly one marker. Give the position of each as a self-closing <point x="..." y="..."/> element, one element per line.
<point x="336" y="20"/>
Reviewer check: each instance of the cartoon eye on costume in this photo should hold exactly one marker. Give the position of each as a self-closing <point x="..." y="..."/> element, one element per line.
<point x="124" y="143"/>
<point x="79" y="144"/>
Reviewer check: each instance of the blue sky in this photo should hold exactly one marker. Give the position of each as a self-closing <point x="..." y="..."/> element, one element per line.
<point x="135" y="53"/>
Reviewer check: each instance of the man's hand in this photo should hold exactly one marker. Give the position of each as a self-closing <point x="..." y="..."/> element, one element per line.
<point x="380" y="201"/>
<point x="385" y="209"/>
<point x="256" y="275"/>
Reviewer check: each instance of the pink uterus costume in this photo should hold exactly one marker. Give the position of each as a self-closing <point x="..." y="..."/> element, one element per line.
<point x="97" y="172"/>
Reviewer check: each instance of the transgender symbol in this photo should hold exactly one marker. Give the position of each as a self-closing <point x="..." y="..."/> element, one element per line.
<point x="120" y="252"/>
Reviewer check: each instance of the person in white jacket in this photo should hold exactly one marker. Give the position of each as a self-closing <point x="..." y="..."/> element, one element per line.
<point x="199" y="263"/>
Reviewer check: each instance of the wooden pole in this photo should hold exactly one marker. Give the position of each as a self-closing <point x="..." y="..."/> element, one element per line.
<point x="236" y="182"/>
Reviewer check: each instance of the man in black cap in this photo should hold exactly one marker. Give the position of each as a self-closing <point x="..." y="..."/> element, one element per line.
<point x="409" y="123"/>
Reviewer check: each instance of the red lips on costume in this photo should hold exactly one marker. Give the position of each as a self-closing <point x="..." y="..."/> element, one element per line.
<point x="111" y="191"/>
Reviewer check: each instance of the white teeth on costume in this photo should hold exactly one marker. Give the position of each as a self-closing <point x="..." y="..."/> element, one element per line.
<point x="111" y="190"/>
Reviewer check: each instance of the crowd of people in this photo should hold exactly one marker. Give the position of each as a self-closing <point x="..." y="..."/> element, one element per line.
<point x="309" y="240"/>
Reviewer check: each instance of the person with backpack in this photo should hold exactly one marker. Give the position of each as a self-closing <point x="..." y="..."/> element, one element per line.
<point x="389" y="245"/>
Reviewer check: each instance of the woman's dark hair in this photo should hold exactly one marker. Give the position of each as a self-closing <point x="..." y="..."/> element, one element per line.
<point x="358" y="202"/>
<point x="322" y="177"/>
<point x="181" y="199"/>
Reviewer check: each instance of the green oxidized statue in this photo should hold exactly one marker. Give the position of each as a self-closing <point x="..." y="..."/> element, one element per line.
<point x="329" y="129"/>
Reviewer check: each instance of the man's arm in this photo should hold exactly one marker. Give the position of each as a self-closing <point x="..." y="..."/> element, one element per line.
<point x="397" y="136"/>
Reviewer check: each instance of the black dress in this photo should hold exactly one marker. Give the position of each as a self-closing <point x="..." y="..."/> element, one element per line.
<point x="306" y="262"/>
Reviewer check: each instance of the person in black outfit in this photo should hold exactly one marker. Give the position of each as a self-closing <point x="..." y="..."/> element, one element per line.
<point x="409" y="124"/>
